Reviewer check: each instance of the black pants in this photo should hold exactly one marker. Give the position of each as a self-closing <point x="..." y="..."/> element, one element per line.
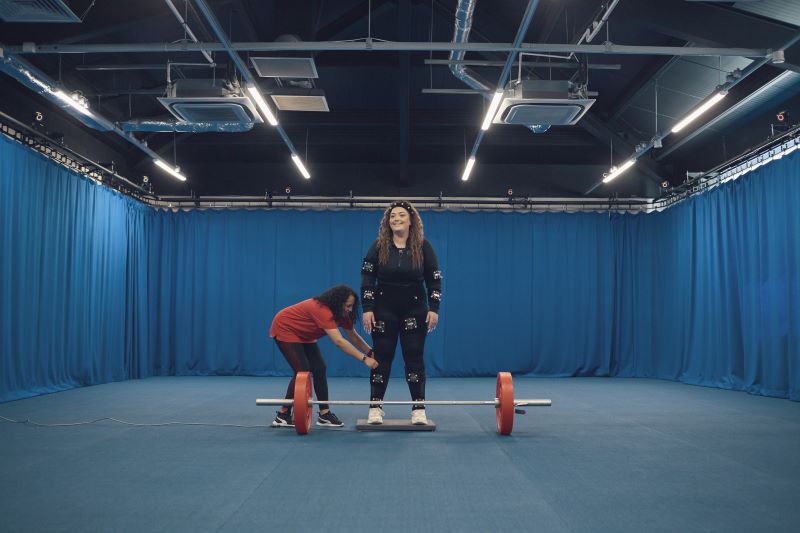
<point x="304" y="357"/>
<point x="400" y="312"/>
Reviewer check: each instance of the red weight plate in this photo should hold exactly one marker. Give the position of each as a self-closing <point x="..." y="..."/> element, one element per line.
<point x="505" y="406"/>
<point x="302" y="403"/>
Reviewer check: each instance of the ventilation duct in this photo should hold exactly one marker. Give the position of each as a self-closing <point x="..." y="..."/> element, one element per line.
<point x="36" y="11"/>
<point x="285" y="67"/>
<point x="211" y="101"/>
<point x="185" y="127"/>
<point x="37" y="81"/>
<point x="294" y="77"/>
<point x="463" y="26"/>
<point x="288" y="99"/>
<point x="542" y="103"/>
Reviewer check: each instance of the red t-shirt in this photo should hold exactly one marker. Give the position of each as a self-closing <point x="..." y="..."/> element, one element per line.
<point x="305" y="322"/>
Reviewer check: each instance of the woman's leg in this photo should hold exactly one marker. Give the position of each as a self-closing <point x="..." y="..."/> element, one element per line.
<point x="413" y="332"/>
<point x="295" y="355"/>
<point x="316" y="365"/>
<point x="384" y="342"/>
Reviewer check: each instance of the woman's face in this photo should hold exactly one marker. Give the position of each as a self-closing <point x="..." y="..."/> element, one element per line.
<point x="399" y="220"/>
<point x="348" y="305"/>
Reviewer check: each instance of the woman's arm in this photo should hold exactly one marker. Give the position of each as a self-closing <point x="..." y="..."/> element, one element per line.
<point x="357" y="341"/>
<point x="433" y="276"/>
<point x="433" y="282"/>
<point x="342" y="343"/>
<point x="369" y="273"/>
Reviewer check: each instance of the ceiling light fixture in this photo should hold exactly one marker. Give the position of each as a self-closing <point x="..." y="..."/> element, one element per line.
<point x="262" y="104"/>
<point x="487" y="121"/>
<point x="468" y="169"/>
<point x="614" y="172"/>
<point x="300" y="167"/>
<point x="76" y="101"/>
<point x="174" y="172"/>
<point x="699" y="111"/>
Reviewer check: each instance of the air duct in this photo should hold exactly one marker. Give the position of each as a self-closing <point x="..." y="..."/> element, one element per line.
<point x="40" y="83"/>
<point x="185" y="127"/>
<point x="463" y="26"/>
<point x="37" y="81"/>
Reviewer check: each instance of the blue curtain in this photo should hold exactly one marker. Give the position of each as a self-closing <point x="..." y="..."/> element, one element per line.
<point x="708" y="291"/>
<point x="63" y="243"/>
<point x="97" y="287"/>
<point x="511" y="283"/>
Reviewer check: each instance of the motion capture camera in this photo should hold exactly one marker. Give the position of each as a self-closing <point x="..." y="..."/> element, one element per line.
<point x="783" y="124"/>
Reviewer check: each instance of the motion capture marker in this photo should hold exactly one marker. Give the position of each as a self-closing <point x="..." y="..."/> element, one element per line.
<point x="302" y="403"/>
<point x="504" y="403"/>
<point x="504" y="412"/>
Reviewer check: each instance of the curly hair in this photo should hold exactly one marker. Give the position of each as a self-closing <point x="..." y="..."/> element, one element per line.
<point x="415" y="234"/>
<point x="335" y="298"/>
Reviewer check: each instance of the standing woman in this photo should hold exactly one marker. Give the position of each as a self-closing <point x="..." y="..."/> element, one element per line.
<point x="404" y="265"/>
<point x="296" y="330"/>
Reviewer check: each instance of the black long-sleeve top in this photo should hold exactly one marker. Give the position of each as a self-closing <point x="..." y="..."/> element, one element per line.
<point x="399" y="269"/>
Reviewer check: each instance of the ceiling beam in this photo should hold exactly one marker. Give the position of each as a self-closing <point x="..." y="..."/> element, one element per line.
<point x="622" y="146"/>
<point x="641" y="83"/>
<point x="752" y="95"/>
<point x="352" y="17"/>
<point x="385" y="46"/>
<point x="708" y="25"/>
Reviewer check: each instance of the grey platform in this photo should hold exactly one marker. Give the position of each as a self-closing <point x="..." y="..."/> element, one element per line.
<point x="395" y="424"/>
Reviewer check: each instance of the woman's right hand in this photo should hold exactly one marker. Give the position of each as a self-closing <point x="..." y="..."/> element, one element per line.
<point x="368" y="319"/>
<point x="371" y="362"/>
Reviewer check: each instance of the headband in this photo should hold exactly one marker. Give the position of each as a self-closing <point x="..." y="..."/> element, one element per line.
<point x="403" y="204"/>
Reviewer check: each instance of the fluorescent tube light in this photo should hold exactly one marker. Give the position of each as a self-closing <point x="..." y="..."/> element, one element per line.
<point x="487" y="121"/>
<point x="80" y="105"/>
<point x="699" y="111"/>
<point x="262" y="105"/>
<point x="170" y="170"/>
<point x="617" y="171"/>
<point x="468" y="169"/>
<point x="300" y="166"/>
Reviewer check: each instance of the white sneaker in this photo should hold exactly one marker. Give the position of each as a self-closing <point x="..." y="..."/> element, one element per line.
<point x="375" y="415"/>
<point x="418" y="417"/>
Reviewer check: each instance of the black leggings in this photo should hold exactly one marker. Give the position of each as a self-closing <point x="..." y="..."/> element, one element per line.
<point x="305" y="357"/>
<point x="400" y="312"/>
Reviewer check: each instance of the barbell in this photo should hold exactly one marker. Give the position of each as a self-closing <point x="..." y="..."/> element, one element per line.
<point x="504" y="403"/>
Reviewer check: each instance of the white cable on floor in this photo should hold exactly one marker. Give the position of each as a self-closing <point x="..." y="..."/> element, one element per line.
<point x="39" y="424"/>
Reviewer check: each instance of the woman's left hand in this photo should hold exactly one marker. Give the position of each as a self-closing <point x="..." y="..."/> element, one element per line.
<point x="432" y="320"/>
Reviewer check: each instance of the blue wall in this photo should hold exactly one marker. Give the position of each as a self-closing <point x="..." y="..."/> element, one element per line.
<point x="97" y="287"/>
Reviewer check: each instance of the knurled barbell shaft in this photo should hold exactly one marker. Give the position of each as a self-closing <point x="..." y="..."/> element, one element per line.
<point x="494" y="403"/>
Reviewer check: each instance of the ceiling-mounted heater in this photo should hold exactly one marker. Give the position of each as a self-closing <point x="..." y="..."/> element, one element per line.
<point x="206" y="100"/>
<point x="542" y="102"/>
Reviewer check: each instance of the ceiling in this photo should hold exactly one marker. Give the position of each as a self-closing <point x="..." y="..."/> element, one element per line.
<point x="397" y="124"/>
